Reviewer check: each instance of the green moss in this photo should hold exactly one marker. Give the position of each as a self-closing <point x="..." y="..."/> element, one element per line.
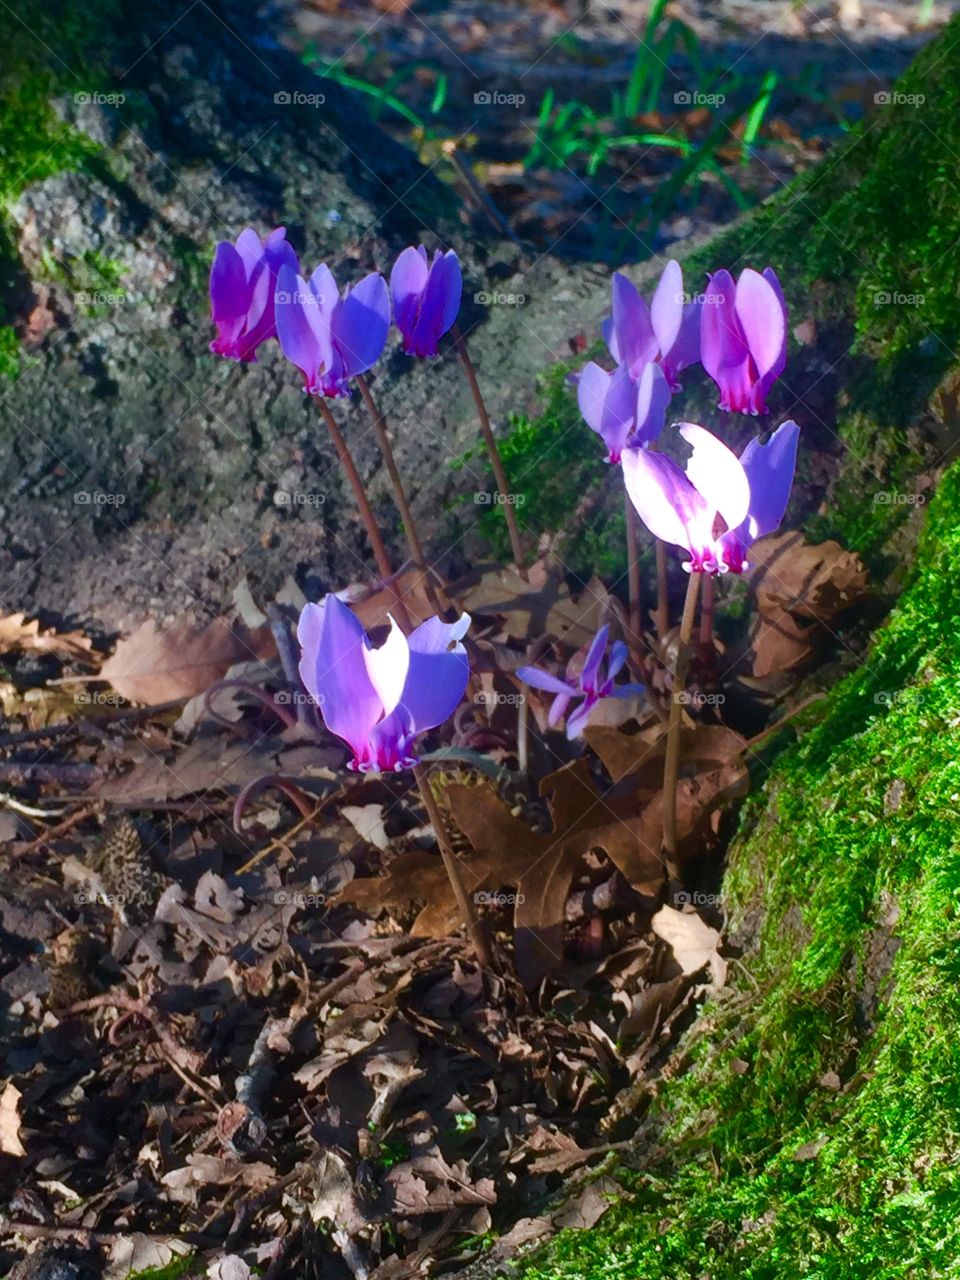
<point x="851" y="859"/>
<point x="34" y="142"/>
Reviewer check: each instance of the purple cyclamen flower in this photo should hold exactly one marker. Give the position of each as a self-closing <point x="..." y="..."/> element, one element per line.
<point x="625" y="413"/>
<point x="667" y="331"/>
<point x="587" y="683"/>
<point x="329" y="337"/>
<point x="719" y="506"/>
<point x="426" y="297"/>
<point x="243" y="280"/>
<point x="743" y="337"/>
<point x="379" y="700"/>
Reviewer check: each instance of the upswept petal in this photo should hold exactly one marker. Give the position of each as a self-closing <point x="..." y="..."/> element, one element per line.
<point x="652" y="402"/>
<point x="360" y="324"/>
<point x="666" y="501"/>
<point x="769" y="468"/>
<point x="300" y="326"/>
<point x="608" y="402"/>
<point x="630" y="336"/>
<point x="333" y="670"/>
<point x="452" y="277"/>
<point x="717" y="474"/>
<point x="666" y="306"/>
<point x="388" y="667"/>
<point x="438" y="674"/>
<point x="760" y="310"/>
<point x="229" y="296"/>
<point x="408" y="279"/>
<point x="591" y="663"/>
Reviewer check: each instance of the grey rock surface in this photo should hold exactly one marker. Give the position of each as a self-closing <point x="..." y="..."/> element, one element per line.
<point x="138" y="473"/>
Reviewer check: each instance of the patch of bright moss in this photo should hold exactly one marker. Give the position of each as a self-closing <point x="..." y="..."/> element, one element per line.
<point x="34" y="142"/>
<point x="817" y="1131"/>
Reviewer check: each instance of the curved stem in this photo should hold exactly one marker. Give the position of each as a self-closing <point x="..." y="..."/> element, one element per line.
<point x="366" y="511"/>
<point x="403" y="506"/>
<point x="452" y="866"/>
<point x="490" y="441"/>
<point x="671" y="767"/>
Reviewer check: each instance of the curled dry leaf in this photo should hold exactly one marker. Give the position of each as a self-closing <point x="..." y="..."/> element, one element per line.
<point x="152" y="666"/>
<point x="693" y="943"/>
<point x="10" y="1143"/>
<point x="712" y="774"/>
<point x="17" y="633"/>
<point x="801" y="589"/>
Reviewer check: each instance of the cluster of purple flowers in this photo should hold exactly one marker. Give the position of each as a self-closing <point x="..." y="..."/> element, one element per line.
<point x="257" y="292"/>
<point x="378" y="700"/>
<point x="737" y="330"/>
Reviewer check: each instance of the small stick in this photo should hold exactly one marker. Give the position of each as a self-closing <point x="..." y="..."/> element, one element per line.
<point x="633" y="576"/>
<point x="452" y="867"/>
<point x="366" y="511"/>
<point x="460" y="343"/>
<point x="403" y="505"/>
<point x="671" y="767"/>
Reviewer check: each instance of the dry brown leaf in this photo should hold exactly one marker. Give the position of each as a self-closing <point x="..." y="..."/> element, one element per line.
<point x="508" y="852"/>
<point x="542" y="606"/>
<point x="800" y="590"/>
<point x="152" y="666"/>
<point x="17" y="633"/>
<point x="712" y="774"/>
<point x="693" y="943"/>
<point x="10" y="1143"/>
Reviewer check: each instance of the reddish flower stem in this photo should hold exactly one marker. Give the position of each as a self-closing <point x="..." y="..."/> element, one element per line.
<point x="399" y="493"/>
<point x="671" y="766"/>
<point x="633" y="577"/>
<point x="366" y="513"/>
<point x="516" y="546"/>
<point x="451" y="864"/>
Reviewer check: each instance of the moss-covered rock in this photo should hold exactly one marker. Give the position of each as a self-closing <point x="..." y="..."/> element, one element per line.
<point x="816" y="1131"/>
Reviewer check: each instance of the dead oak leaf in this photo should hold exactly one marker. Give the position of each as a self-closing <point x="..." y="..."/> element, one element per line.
<point x="542" y="866"/>
<point x="507" y="851"/>
<point x="543" y="605"/>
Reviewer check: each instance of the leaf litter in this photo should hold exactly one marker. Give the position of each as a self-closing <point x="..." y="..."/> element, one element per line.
<point x="243" y="1020"/>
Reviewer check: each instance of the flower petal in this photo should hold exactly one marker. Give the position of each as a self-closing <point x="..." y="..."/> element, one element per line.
<point x="665" y="500"/>
<point x="762" y="315"/>
<point x="652" y="402"/>
<point x="666" y="306"/>
<point x="717" y="473"/>
<point x="361" y="323"/>
<point x="332" y="667"/>
<point x="630" y="335"/>
<point x="438" y="674"/>
<point x="300" y="325"/>
<point x="608" y="403"/>
<point x="388" y="666"/>
<point x="408" y="279"/>
<point x="769" y="468"/>
<point x="591" y="663"/>
<point x="537" y="678"/>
